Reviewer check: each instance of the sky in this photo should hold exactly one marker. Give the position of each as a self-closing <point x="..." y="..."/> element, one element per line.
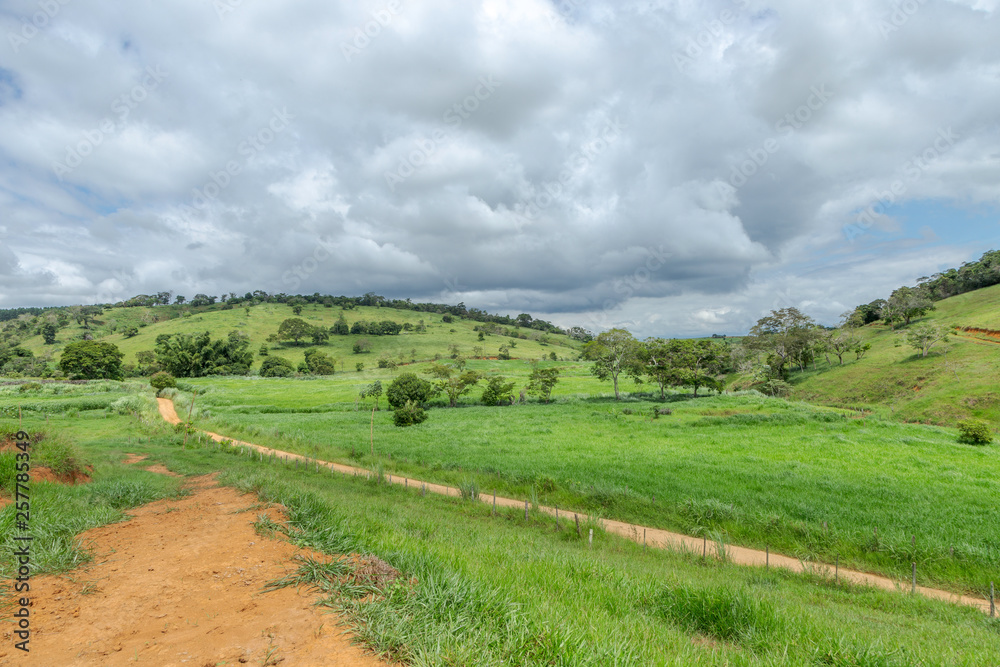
<point x="678" y="168"/>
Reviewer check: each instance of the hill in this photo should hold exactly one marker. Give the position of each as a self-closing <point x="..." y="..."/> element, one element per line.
<point x="438" y="339"/>
<point x="957" y="380"/>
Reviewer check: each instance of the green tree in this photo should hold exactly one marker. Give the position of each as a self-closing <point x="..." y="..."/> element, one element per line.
<point x="408" y="387"/>
<point x="409" y="414"/>
<point x="92" y="360"/>
<point x="362" y="346"/>
<point x="319" y="335"/>
<point x="294" y="329"/>
<point x="340" y="327"/>
<point x="925" y="336"/>
<point x="452" y="382"/>
<point x="374" y="390"/>
<point x="131" y="332"/>
<point x="186" y="355"/>
<point x="907" y="303"/>
<point x="320" y="363"/>
<point x="161" y="380"/>
<point x="49" y="333"/>
<point x="840" y="342"/>
<point x="614" y="352"/>
<point x="498" y="391"/>
<point x="276" y="367"/>
<point x="786" y="335"/>
<point x="542" y="381"/>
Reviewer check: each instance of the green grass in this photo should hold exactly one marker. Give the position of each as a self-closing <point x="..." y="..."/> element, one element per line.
<point x="497" y="590"/>
<point x="957" y="380"/>
<point x="809" y="482"/>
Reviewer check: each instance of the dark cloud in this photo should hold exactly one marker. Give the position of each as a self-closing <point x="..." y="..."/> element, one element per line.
<point x="675" y="167"/>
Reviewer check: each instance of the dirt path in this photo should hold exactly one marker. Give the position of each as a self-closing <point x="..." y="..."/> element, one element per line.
<point x="654" y="537"/>
<point x="180" y="584"/>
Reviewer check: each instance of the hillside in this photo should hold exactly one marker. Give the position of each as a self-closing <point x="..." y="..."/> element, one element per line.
<point x="956" y="380"/>
<point x="264" y="320"/>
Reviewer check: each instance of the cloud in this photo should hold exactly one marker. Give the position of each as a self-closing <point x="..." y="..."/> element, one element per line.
<point x="673" y="166"/>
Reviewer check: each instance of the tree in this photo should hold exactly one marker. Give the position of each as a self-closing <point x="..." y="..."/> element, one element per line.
<point x="840" y="342"/>
<point x="657" y="358"/>
<point x="614" y="352"/>
<point x="451" y="384"/>
<point x="320" y="363"/>
<point x="340" y="327"/>
<point x="276" y="367"/>
<point x="161" y="380"/>
<point x="185" y="355"/>
<point x="542" y="381"/>
<point x="374" y="390"/>
<point x="87" y="314"/>
<point x="925" y="336"/>
<point x="294" y="329"/>
<point x="498" y="391"/>
<point x="92" y="360"/>
<point x="49" y="333"/>
<point x="180" y="299"/>
<point x="907" y="303"/>
<point x="787" y="334"/>
<point x="131" y="332"/>
<point x="504" y="352"/>
<point x="362" y="345"/>
<point x="408" y="387"/>
<point x="319" y="335"/>
<point x="409" y="414"/>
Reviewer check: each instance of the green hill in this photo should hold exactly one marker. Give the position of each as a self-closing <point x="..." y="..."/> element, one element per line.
<point x="439" y="338"/>
<point x="957" y="380"/>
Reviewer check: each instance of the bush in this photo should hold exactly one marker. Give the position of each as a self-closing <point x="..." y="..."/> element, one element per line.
<point x="409" y="414"/>
<point x="162" y="380"/>
<point x="975" y="432"/>
<point x="408" y="387"/>
<point x="276" y="367"/>
<point x="498" y="392"/>
<point x="29" y="386"/>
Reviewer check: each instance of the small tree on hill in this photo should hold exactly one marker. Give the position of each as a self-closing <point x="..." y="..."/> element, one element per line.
<point x="294" y="329"/>
<point x="161" y="380"/>
<point x="276" y="367"/>
<point x="408" y="387"/>
<point x="614" y="352"/>
<point x="498" y="391"/>
<point x="452" y="384"/>
<point x="49" y="333"/>
<point x="925" y="336"/>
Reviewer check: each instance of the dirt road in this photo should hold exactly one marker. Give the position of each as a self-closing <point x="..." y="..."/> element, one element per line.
<point x="654" y="537"/>
<point x="180" y="584"/>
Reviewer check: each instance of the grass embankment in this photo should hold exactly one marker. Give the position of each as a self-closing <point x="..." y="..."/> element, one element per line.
<point x="808" y="482"/>
<point x="957" y="380"/>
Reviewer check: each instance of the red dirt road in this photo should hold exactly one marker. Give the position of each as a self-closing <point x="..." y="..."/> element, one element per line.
<point x="654" y="537"/>
<point x="180" y="584"/>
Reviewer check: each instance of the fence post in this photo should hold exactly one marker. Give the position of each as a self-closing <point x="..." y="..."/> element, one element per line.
<point x="704" y="547"/>
<point x="525" y="510"/>
<point x="767" y="557"/>
<point x="494" y="502"/>
<point x="914" y="578"/>
<point x="643" y="538"/>
<point x="591" y="537"/>
<point x="576" y="517"/>
<point x="993" y="607"/>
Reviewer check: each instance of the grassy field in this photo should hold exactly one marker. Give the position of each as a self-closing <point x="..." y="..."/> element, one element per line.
<point x="264" y="320"/>
<point x="499" y="590"/>
<point x="810" y="482"/>
<point x="956" y="381"/>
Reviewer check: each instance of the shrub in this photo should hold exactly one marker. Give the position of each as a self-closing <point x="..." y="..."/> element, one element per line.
<point x="409" y="414"/>
<point x="408" y="387"/>
<point x="276" y="367"/>
<point x="498" y="391"/>
<point x="29" y="386"/>
<point x="263" y="351"/>
<point x="975" y="432"/>
<point x="359" y="367"/>
<point x="161" y="380"/>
